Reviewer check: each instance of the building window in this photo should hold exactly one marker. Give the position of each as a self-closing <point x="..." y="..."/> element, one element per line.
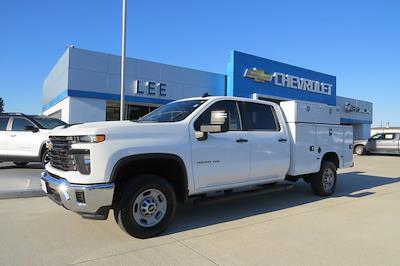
<point x="56" y="114"/>
<point x="133" y="111"/>
<point x="112" y="111"/>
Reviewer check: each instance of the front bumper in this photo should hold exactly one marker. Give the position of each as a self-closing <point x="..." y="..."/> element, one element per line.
<point x="90" y="201"/>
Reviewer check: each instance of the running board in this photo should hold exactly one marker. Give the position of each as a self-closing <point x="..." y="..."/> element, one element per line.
<point x="229" y="195"/>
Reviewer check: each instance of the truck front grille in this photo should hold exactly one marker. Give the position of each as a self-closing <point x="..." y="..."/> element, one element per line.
<point x="60" y="155"/>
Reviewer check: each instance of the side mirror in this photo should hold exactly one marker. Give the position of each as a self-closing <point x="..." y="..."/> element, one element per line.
<point x="31" y="128"/>
<point x="219" y="123"/>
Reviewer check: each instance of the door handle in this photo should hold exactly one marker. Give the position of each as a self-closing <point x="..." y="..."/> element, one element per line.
<point x="282" y="140"/>
<point x="241" y="140"/>
<point x="13" y="135"/>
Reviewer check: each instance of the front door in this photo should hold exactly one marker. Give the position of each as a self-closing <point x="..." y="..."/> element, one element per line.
<point x="372" y="142"/>
<point x="222" y="158"/>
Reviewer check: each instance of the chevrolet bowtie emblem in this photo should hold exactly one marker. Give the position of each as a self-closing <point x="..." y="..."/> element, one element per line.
<point x="49" y="145"/>
<point x="258" y="75"/>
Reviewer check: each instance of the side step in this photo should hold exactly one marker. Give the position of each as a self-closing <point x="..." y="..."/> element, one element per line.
<point x="229" y="195"/>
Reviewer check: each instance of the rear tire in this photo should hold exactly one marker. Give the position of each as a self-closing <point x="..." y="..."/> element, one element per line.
<point x="20" y="164"/>
<point x="359" y="149"/>
<point x="147" y="206"/>
<point x="323" y="183"/>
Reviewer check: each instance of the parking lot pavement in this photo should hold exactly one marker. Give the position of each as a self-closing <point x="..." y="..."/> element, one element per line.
<point x="359" y="225"/>
<point x="16" y="182"/>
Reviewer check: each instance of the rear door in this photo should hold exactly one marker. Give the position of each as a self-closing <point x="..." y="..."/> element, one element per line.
<point x="387" y="144"/>
<point x="4" y="136"/>
<point x="269" y="144"/>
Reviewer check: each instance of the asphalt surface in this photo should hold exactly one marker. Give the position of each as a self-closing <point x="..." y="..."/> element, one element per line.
<point x="17" y="182"/>
<point x="359" y="225"/>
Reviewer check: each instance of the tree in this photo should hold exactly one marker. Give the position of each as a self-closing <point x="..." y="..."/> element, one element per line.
<point x="1" y="105"/>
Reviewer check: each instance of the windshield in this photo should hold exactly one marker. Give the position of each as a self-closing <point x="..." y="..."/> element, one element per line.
<point x="172" y="112"/>
<point x="48" y="123"/>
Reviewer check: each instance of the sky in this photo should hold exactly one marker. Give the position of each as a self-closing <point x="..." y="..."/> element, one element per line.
<point x="356" y="41"/>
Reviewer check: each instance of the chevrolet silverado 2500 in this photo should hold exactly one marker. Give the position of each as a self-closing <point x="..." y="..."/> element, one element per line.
<point x="192" y="148"/>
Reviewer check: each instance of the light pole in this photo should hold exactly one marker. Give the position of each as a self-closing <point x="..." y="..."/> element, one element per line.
<point x="123" y="53"/>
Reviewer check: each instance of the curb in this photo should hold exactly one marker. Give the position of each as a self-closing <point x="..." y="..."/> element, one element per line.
<point x="18" y="194"/>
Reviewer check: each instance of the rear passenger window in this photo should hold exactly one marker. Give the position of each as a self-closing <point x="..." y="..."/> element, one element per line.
<point x="3" y="123"/>
<point x="258" y="116"/>
<point x="389" y="136"/>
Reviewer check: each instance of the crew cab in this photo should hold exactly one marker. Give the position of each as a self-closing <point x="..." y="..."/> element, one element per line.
<point x="191" y="149"/>
<point x="23" y="137"/>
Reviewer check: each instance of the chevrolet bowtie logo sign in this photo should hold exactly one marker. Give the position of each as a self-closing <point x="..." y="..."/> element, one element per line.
<point x="258" y="75"/>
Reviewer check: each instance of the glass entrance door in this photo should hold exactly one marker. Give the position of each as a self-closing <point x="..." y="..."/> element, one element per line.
<point x="133" y="111"/>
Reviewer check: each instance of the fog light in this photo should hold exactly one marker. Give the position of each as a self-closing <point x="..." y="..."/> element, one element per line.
<point x="80" y="196"/>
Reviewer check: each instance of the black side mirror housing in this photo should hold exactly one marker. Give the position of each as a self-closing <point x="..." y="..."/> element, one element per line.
<point x="31" y="128"/>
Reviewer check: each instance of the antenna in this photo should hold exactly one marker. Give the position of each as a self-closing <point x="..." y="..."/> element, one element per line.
<point x="206" y="95"/>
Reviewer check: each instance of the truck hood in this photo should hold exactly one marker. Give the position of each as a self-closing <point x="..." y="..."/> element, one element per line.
<point x="113" y="127"/>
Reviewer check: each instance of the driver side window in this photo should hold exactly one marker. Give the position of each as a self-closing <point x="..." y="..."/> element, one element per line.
<point x="377" y="137"/>
<point x="229" y="106"/>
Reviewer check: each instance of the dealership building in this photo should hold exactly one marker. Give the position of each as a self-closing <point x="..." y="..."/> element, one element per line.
<point x="84" y="86"/>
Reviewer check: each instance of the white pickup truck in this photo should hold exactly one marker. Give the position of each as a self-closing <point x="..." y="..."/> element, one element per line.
<point x="189" y="149"/>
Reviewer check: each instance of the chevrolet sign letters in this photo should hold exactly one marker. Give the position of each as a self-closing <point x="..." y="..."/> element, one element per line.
<point x="289" y="81"/>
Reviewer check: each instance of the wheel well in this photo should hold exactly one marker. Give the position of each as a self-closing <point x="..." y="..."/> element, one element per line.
<point x="169" y="167"/>
<point x="42" y="150"/>
<point x="332" y="157"/>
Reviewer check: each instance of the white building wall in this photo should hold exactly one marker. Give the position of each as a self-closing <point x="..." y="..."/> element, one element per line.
<point x="385" y="130"/>
<point x="95" y="72"/>
<point x="63" y="106"/>
<point x="86" y="110"/>
<point x="57" y="80"/>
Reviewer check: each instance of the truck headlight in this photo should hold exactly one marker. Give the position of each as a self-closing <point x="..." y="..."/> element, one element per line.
<point x="91" y="138"/>
<point x="83" y="162"/>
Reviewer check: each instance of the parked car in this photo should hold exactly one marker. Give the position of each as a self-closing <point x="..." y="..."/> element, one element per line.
<point x="190" y="150"/>
<point x="23" y="137"/>
<point x="384" y="143"/>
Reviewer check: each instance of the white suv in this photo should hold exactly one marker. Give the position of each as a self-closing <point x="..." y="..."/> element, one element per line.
<point x="23" y="137"/>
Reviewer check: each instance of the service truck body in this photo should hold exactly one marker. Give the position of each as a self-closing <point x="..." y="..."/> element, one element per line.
<point x="191" y="148"/>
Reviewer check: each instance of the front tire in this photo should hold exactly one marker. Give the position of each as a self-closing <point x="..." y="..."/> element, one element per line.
<point x="323" y="183"/>
<point x="45" y="157"/>
<point x="147" y="206"/>
<point x="359" y="150"/>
